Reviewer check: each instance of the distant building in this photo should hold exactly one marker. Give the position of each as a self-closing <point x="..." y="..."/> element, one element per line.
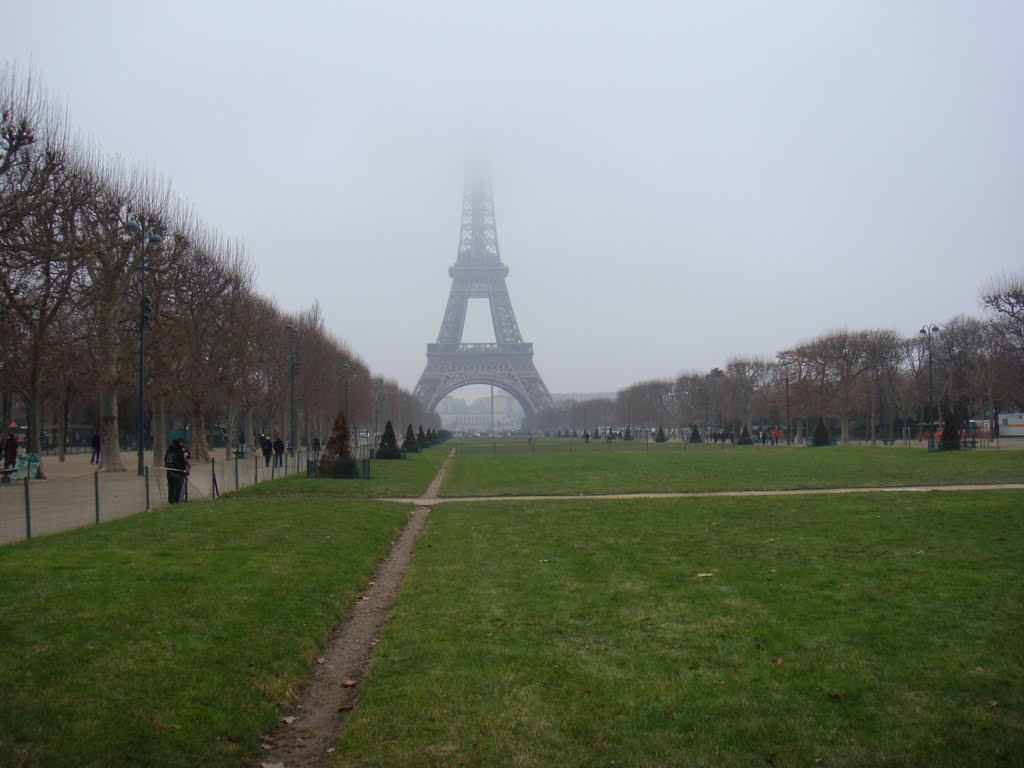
<point x="476" y="416"/>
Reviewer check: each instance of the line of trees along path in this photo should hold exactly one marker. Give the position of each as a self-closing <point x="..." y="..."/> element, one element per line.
<point x="73" y="277"/>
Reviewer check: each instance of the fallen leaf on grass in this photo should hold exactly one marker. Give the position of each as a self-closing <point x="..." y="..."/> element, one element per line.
<point x="705" y="575"/>
<point x="778" y="661"/>
<point x="267" y="747"/>
<point x="545" y="561"/>
<point x="320" y="660"/>
<point x="979" y="669"/>
<point x="288" y="720"/>
<point x="993" y="703"/>
<point x="349" y="684"/>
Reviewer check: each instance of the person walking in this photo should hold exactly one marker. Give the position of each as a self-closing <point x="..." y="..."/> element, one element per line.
<point x="95" y="458"/>
<point x="268" y="450"/>
<point x="11" y="451"/>
<point x="278" y="451"/>
<point x="177" y="462"/>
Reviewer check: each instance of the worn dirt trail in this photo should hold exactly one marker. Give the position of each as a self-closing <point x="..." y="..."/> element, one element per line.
<point x="306" y="737"/>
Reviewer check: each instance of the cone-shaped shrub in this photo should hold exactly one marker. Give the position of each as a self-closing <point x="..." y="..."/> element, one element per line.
<point x="659" y="436"/>
<point x="745" y="437"/>
<point x="628" y="435"/>
<point x="695" y="435"/>
<point x="820" y="434"/>
<point x="950" y="434"/>
<point x="421" y="436"/>
<point x="410" y="445"/>
<point x="336" y="460"/>
<point x="388" y="448"/>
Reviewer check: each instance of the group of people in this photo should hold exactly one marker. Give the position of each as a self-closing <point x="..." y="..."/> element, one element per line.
<point x="272" y="449"/>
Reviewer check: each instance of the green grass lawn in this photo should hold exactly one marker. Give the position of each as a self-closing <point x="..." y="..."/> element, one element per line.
<point x="397" y="479"/>
<point x="173" y="638"/>
<point x="876" y="629"/>
<point x="668" y="467"/>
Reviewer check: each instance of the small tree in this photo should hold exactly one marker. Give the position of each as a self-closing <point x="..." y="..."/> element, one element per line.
<point x="421" y="436"/>
<point x="659" y="436"/>
<point x="745" y="438"/>
<point x="410" y="445"/>
<point x="820" y="434"/>
<point x="388" y="444"/>
<point x="950" y="433"/>
<point x="695" y="435"/>
<point x="336" y="460"/>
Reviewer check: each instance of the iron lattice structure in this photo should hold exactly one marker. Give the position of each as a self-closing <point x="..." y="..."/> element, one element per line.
<point x="478" y="273"/>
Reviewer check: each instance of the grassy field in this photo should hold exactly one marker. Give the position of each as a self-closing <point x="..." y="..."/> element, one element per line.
<point x="862" y="630"/>
<point x="878" y="629"/>
<point x="668" y="467"/>
<point x="388" y="479"/>
<point x="174" y="638"/>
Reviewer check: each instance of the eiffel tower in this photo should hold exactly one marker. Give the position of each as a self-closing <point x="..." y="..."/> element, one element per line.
<point x="479" y="274"/>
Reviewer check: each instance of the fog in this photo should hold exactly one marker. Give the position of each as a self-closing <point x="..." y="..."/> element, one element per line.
<point x="674" y="183"/>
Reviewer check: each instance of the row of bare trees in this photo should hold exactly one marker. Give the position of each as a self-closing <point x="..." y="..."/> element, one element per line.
<point x="869" y="384"/>
<point x="94" y="256"/>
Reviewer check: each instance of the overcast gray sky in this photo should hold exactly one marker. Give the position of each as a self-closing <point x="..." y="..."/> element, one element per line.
<point x="674" y="182"/>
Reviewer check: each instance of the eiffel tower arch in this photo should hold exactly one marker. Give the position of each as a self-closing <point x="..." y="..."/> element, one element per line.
<point x="478" y="273"/>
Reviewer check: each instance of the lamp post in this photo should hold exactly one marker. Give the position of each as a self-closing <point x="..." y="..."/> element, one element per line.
<point x="146" y="237"/>
<point x="292" y="332"/>
<point x="346" y="367"/>
<point x="927" y="332"/>
<point x="785" y="362"/>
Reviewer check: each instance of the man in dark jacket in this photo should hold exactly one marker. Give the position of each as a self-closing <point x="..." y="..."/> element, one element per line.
<point x="10" y="451"/>
<point x="177" y="463"/>
<point x="278" y="451"/>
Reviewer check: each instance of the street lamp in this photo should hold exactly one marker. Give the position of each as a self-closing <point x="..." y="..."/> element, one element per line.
<point x="785" y="363"/>
<point x="292" y="331"/>
<point x="927" y="332"/>
<point x="146" y="237"/>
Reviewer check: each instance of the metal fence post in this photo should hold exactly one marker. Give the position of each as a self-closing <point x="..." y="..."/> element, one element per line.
<point x="96" y="494"/>
<point x="28" y="511"/>
<point x="147" y="489"/>
<point x="236" y="473"/>
<point x="255" y="470"/>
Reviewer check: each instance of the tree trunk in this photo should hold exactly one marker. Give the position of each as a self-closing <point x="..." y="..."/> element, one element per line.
<point x="62" y="442"/>
<point x="159" y="428"/>
<point x="110" y="448"/>
<point x="249" y="428"/>
<point x="232" y="434"/>
<point x="200" y="448"/>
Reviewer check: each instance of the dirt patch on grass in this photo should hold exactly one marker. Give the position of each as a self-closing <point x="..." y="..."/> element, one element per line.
<point x="307" y="735"/>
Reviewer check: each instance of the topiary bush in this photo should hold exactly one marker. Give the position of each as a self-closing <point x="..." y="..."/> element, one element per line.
<point x="388" y="448"/>
<point x="410" y="445"/>
<point x="950" y="434"/>
<point x="659" y="436"/>
<point x="745" y="438"/>
<point x="336" y="459"/>
<point x="821" y="434"/>
<point x="695" y="435"/>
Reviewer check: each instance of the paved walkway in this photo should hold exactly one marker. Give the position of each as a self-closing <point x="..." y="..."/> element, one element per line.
<point x="74" y="494"/>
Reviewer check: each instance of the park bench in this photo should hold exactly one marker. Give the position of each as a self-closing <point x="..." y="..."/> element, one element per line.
<point x="7" y="474"/>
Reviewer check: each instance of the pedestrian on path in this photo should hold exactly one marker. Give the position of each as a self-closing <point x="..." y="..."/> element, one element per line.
<point x="278" y="451"/>
<point x="95" y="459"/>
<point x="10" y="451"/>
<point x="177" y="462"/>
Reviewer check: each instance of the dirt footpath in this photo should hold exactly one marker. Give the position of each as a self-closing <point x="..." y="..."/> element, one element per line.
<point x="306" y="737"/>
